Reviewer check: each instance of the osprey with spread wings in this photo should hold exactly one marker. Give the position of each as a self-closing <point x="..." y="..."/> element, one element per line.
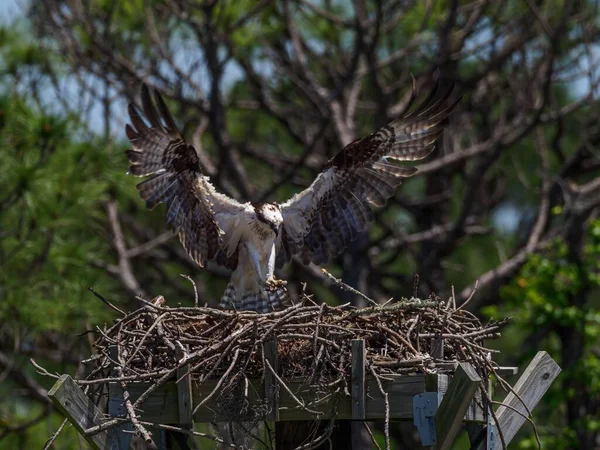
<point x="254" y="238"/>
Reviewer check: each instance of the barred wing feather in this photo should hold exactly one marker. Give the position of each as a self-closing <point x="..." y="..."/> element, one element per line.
<point x="322" y="220"/>
<point x="202" y="217"/>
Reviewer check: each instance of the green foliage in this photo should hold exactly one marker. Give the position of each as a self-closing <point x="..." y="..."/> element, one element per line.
<point x="18" y="52"/>
<point x="50" y="236"/>
<point x="549" y="281"/>
<point x="51" y="195"/>
<point x="542" y="298"/>
<point x="54" y="236"/>
<point x="14" y="414"/>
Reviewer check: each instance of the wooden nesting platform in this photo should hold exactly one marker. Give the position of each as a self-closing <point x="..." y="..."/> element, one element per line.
<point x="437" y="403"/>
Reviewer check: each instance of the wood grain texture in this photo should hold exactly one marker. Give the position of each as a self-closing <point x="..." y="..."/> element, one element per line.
<point x="83" y="414"/>
<point x="271" y="383"/>
<point x="358" y="379"/>
<point x="454" y="405"/>
<point x="437" y="348"/>
<point x="184" y="397"/>
<point x="162" y="405"/>
<point x="531" y="387"/>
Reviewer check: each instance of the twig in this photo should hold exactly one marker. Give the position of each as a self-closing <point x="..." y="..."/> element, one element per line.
<point x="387" y="407"/>
<point x="373" y="440"/>
<point x="285" y="386"/>
<point x="43" y="371"/>
<point x="470" y="297"/>
<point x="52" y="438"/>
<point x="223" y="378"/>
<point x="119" y="421"/>
<point x="126" y="397"/>
<point x="347" y="288"/>
<point x="133" y="416"/>
<point x="137" y="349"/>
<point x="162" y="339"/>
<point x="526" y="417"/>
<point x="106" y="302"/>
<point x="314" y="443"/>
<point x="187" y="277"/>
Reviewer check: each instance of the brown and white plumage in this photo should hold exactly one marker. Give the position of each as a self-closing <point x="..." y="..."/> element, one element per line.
<point x="315" y="224"/>
<point x="323" y="219"/>
<point x="194" y="208"/>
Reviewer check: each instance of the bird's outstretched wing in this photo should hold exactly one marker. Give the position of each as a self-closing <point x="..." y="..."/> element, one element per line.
<point x="322" y="220"/>
<point x="197" y="212"/>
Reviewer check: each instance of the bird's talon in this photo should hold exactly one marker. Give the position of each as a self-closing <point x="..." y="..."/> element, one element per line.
<point x="275" y="284"/>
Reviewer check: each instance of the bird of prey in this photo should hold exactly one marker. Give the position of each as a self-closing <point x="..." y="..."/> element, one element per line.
<point x="253" y="238"/>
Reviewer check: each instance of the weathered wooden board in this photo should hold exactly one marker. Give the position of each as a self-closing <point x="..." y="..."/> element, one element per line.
<point x="162" y="406"/>
<point x="83" y="414"/>
<point x="454" y="405"/>
<point x="358" y="379"/>
<point x="271" y="383"/>
<point x="184" y="395"/>
<point x="531" y="387"/>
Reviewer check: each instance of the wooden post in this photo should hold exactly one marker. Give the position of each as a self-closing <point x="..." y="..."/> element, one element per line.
<point x="184" y="396"/>
<point x="83" y="414"/>
<point x="358" y="379"/>
<point x="449" y="416"/>
<point x="271" y="384"/>
<point x="184" y="403"/>
<point x="358" y="394"/>
<point x="437" y="348"/>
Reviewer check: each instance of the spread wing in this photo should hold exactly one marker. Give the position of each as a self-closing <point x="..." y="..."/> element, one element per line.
<point x="203" y="218"/>
<point x="323" y="219"/>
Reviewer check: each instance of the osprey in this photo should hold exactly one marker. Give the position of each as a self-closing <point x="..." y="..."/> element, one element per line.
<point x="253" y="238"/>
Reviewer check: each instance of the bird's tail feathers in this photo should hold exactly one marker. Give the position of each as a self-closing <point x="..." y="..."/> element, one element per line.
<point x="272" y="296"/>
<point x="228" y="299"/>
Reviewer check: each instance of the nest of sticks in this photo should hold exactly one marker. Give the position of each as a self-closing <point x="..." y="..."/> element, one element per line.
<point x="314" y="340"/>
<point x="153" y="343"/>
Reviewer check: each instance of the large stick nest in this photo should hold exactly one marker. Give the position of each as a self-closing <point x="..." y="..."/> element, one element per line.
<point x="314" y="341"/>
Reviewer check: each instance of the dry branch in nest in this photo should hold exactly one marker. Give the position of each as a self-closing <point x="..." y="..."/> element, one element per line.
<point x="313" y="343"/>
<point x="156" y="344"/>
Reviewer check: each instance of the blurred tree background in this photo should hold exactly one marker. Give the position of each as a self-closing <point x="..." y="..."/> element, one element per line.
<point x="267" y="91"/>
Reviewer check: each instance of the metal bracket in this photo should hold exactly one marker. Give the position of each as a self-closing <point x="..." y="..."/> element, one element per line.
<point x="425" y="406"/>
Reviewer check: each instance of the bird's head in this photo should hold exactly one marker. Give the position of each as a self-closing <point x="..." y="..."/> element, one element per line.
<point x="269" y="214"/>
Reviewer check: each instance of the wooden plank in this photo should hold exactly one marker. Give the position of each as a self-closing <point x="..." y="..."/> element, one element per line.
<point x="445" y="366"/>
<point x="271" y="383"/>
<point x="82" y="413"/>
<point x="162" y="405"/>
<point x="449" y="416"/>
<point x="437" y="348"/>
<point x="184" y="398"/>
<point x="531" y="387"/>
<point x="474" y="411"/>
<point x="437" y="382"/>
<point x="358" y="379"/>
<point x="173" y="439"/>
<point x="400" y="394"/>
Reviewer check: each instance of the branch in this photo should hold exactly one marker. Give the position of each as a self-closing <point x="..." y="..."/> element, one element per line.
<point x="18" y="376"/>
<point x="125" y="270"/>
